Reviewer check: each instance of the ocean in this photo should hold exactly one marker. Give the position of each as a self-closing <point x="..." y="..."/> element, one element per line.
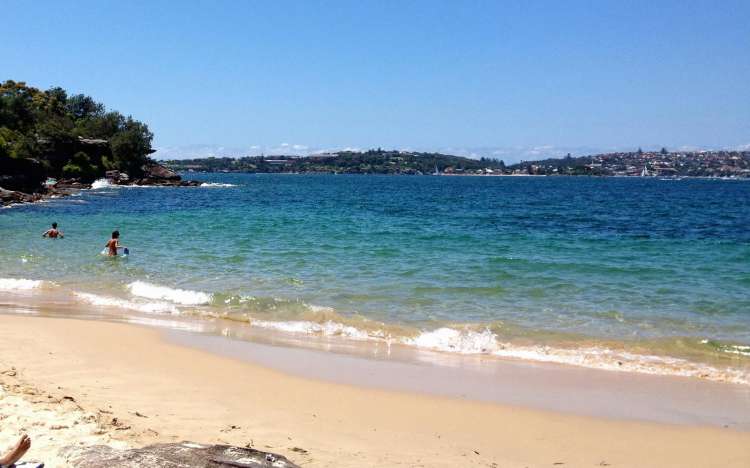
<point x="627" y="274"/>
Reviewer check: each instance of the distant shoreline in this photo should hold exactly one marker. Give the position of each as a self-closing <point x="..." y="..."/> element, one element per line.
<point x="713" y="164"/>
<point x="478" y="175"/>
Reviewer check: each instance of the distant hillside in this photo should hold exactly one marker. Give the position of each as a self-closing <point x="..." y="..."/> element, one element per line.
<point x="644" y="163"/>
<point x="638" y="163"/>
<point x="344" y="162"/>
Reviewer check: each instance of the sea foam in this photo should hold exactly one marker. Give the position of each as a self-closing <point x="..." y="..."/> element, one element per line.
<point x="19" y="284"/>
<point x="100" y="183"/>
<point x="177" y="296"/>
<point x="329" y="328"/>
<point x="147" y="307"/>
<point x="216" y="185"/>
<point x="469" y="341"/>
<point x="455" y="341"/>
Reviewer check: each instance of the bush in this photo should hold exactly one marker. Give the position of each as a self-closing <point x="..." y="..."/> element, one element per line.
<point x="80" y="167"/>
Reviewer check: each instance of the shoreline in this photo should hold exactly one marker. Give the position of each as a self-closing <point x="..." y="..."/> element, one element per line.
<point x="694" y="358"/>
<point x="194" y="395"/>
<point x="587" y="391"/>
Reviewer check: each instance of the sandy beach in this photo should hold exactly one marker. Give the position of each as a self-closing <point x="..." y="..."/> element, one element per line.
<point x="71" y="381"/>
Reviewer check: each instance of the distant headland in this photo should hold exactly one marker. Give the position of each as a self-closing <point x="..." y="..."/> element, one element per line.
<point x="733" y="164"/>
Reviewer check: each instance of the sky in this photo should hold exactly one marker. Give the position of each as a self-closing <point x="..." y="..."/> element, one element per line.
<point x="503" y="78"/>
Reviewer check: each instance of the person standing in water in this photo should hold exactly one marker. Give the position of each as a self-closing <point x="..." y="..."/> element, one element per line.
<point x="53" y="233"/>
<point x="113" y="244"/>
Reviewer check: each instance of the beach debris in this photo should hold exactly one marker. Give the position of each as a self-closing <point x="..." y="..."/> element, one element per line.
<point x="229" y="428"/>
<point x="299" y="450"/>
<point x="183" y="454"/>
<point x="140" y="415"/>
<point x="10" y="372"/>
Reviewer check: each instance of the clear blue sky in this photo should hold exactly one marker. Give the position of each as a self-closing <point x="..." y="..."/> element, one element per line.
<point x="399" y="74"/>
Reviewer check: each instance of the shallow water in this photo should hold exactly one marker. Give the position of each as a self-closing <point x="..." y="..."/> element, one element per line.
<point x="632" y="274"/>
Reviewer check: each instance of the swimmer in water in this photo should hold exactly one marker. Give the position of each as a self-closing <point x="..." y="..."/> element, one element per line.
<point x="113" y="244"/>
<point x="53" y="233"/>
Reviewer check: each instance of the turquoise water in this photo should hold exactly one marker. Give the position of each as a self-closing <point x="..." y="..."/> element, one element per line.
<point x="516" y="266"/>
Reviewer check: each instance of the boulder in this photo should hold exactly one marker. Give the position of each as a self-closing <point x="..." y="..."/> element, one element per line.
<point x="161" y="182"/>
<point x="70" y="184"/>
<point x="159" y="172"/>
<point x="175" y="455"/>
<point x="8" y="197"/>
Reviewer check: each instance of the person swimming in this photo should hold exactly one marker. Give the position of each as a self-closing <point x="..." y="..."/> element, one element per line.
<point x="53" y="233"/>
<point x="113" y="244"/>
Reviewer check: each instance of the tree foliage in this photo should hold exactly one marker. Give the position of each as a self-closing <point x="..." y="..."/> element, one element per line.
<point x="72" y="136"/>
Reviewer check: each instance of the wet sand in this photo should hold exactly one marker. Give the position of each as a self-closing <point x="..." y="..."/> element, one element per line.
<point x="184" y="393"/>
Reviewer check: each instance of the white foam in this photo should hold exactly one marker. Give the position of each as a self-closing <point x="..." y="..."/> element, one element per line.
<point x="147" y="307"/>
<point x="485" y="342"/>
<point x="329" y="328"/>
<point x="19" y="284"/>
<point x="456" y="341"/>
<point x="101" y="183"/>
<point x="607" y="359"/>
<point x="178" y="296"/>
<point x="216" y="184"/>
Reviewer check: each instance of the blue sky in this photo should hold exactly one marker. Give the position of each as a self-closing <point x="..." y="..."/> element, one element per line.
<point x="466" y="76"/>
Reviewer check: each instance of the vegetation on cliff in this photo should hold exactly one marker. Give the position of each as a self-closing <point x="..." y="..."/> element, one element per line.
<point x="53" y="134"/>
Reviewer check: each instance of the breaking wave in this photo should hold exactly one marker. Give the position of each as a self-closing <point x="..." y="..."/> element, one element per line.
<point x="177" y="296"/>
<point x="19" y="284"/>
<point x="100" y="184"/>
<point x="217" y="185"/>
<point x="146" y="307"/>
<point x="299" y="318"/>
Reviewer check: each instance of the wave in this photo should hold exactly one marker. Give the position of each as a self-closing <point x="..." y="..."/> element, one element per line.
<point x="101" y="183"/>
<point x="177" y="296"/>
<point x="19" y="284"/>
<point x="456" y="341"/>
<point x="147" y="307"/>
<point x="328" y="328"/>
<point x="470" y="341"/>
<point x="217" y="184"/>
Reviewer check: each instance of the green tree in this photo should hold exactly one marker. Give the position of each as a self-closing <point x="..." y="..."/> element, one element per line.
<point x="131" y="146"/>
<point x="80" y="167"/>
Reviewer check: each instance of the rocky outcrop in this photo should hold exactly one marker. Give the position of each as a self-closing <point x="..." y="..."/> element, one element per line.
<point x="22" y="175"/>
<point x="156" y="174"/>
<point x="181" y="455"/>
<point x="68" y="184"/>
<point x="9" y="197"/>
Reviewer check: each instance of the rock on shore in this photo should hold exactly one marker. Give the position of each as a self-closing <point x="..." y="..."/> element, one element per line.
<point x="9" y="197"/>
<point x="182" y="455"/>
<point x="23" y="182"/>
<point x="156" y="174"/>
